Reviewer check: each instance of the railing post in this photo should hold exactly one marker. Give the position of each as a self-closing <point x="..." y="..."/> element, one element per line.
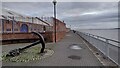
<point x="89" y="37"/>
<point x="107" y="42"/>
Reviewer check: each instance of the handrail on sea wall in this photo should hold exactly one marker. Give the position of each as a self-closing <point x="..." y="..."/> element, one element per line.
<point x="98" y="37"/>
<point x="110" y="48"/>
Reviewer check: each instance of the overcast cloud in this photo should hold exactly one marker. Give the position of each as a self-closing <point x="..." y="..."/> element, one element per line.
<point x="80" y="15"/>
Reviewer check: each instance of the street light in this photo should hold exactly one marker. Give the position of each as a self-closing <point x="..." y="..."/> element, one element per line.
<point x="54" y="3"/>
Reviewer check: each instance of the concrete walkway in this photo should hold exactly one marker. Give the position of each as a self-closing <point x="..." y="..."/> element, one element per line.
<point x="62" y="54"/>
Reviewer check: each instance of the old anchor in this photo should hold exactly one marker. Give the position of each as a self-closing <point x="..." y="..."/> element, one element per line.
<point x="18" y="51"/>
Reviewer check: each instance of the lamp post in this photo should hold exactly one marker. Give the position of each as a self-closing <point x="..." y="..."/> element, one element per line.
<point x="54" y="3"/>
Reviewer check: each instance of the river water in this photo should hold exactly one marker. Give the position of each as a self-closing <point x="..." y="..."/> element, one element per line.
<point x="106" y="33"/>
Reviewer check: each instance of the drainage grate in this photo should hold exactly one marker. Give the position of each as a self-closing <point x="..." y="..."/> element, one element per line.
<point x="74" y="57"/>
<point x="75" y="46"/>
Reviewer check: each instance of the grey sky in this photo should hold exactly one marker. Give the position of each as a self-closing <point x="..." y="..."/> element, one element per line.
<point x="81" y="15"/>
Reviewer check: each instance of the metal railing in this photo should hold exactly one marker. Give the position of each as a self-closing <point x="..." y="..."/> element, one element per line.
<point x="110" y="48"/>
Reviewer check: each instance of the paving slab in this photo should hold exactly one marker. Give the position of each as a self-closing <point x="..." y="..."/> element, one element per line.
<point x="63" y="55"/>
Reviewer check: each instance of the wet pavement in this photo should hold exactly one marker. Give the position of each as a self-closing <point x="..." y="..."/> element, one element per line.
<point x="70" y="51"/>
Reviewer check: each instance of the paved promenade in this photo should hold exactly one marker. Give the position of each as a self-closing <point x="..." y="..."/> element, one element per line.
<point x="64" y="54"/>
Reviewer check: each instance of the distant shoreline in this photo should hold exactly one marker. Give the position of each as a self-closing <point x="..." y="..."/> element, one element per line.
<point x="116" y="28"/>
<point x="101" y="29"/>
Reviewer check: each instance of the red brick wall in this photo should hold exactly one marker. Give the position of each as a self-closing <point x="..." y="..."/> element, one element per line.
<point x="59" y="36"/>
<point x="60" y="30"/>
<point x="48" y="35"/>
<point x="7" y="26"/>
<point x="13" y="36"/>
<point x="31" y="26"/>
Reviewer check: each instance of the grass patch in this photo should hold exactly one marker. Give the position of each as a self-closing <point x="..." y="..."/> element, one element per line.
<point x="28" y="55"/>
